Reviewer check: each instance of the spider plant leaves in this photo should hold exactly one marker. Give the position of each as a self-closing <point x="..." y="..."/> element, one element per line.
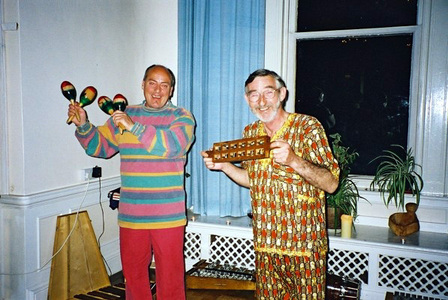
<point x="396" y="176"/>
<point x="346" y="197"/>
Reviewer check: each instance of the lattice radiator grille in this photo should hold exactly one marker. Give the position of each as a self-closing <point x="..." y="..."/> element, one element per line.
<point x="416" y="276"/>
<point x="354" y="265"/>
<point x="237" y="252"/>
<point x="411" y="275"/>
<point x="192" y="247"/>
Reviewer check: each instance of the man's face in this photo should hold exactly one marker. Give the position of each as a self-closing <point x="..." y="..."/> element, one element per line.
<point x="263" y="107"/>
<point x="157" y="87"/>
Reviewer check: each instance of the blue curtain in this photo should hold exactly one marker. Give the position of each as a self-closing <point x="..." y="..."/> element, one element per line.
<point x="220" y="43"/>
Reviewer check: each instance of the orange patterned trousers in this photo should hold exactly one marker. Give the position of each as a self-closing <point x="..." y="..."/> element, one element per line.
<point x="290" y="277"/>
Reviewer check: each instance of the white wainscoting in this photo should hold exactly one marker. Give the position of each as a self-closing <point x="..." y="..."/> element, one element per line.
<point x="27" y="230"/>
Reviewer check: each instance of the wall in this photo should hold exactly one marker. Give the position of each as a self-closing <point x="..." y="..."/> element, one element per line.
<point x="101" y="43"/>
<point x="107" y="44"/>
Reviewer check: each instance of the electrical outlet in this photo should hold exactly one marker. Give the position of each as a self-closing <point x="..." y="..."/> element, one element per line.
<point x="87" y="174"/>
<point x="90" y="173"/>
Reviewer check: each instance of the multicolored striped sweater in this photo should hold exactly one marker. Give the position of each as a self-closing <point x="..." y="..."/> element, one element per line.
<point x="153" y="157"/>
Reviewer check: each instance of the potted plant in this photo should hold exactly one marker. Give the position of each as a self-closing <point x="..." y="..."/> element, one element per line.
<point x="396" y="177"/>
<point x="345" y="199"/>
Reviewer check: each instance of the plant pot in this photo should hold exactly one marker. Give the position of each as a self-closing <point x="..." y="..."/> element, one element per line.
<point x="333" y="218"/>
<point x="403" y="224"/>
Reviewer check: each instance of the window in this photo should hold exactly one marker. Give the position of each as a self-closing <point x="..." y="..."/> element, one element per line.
<point x="315" y="15"/>
<point x="353" y="71"/>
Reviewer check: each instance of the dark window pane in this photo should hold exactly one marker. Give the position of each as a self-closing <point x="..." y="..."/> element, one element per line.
<point x="359" y="88"/>
<point x="315" y="15"/>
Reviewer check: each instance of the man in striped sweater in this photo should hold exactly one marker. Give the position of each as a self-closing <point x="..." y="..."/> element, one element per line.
<point x="153" y="151"/>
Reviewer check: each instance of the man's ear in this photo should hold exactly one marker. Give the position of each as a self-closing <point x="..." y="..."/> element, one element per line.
<point x="247" y="98"/>
<point x="283" y="92"/>
<point x="143" y="85"/>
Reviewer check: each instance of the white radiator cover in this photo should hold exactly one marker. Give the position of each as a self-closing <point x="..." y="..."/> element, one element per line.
<point x="382" y="261"/>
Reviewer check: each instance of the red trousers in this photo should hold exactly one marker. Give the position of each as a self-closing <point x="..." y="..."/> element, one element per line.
<point x="137" y="247"/>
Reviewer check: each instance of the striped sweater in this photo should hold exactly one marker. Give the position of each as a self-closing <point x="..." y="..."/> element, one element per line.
<point x="153" y="157"/>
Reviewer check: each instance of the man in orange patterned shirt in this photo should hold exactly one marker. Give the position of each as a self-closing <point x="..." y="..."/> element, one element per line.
<point x="288" y="193"/>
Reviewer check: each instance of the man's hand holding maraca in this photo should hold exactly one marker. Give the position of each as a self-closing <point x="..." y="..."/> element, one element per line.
<point x="122" y="119"/>
<point x="76" y="108"/>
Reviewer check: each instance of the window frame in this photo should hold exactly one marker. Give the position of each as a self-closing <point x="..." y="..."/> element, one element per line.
<point x="287" y="37"/>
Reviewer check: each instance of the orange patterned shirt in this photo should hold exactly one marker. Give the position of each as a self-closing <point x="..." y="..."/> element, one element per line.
<point x="288" y="212"/>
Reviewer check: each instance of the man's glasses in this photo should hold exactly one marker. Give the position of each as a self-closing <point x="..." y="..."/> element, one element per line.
<point x="268" y="94"/>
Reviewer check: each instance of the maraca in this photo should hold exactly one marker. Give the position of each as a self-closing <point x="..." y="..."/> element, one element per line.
<point x="87" y="96"/>
<point x="107" y="105"/>
<point x="69" y="92"/>
<point x="120" y="102"/>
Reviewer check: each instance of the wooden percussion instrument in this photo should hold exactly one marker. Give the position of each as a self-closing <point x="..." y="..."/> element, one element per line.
<point x="342" y="288"/>
<point x="108" y="106"/>
<point x="69" y="92"/>
<point x="115" y="292"/>
<point x="109" y="292"/>
<point x="77" y="268"/>
<point x="120" y="103"/>
<point x="240" y="150"/>
<point x="86" y="97"/>
<point x="205" y="275"/>
<point x="77" y="265"/>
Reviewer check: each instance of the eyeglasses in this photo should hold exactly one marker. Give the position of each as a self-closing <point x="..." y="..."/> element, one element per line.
<point x="268" y="94"/>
